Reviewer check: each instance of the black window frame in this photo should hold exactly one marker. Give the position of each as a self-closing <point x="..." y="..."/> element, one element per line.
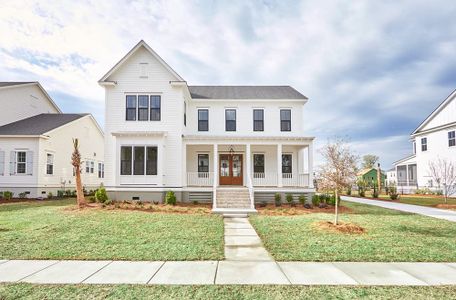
<point x="285" y="124"/>
<point x="203" y="125"/>
<point x="126" y="166"/>
<point x="258" y="168"/>
<point x="151" y="162"/>
<point x="130" y="111"/>
<point x="285" y="168"/>
<point x="143" y="108"/>
<point x="452" y="138"/>
<point x="100" y="170"/>
<point x="155" y="108"/>
<point x="258" y="124"/>
<point x="49" y="166"/>
<point x="202" y="157"/>
<point x="185" y="114"/>
<point x="424" y="144"/>
<point x="139" y="165"/>
<point x="232" y="126"/>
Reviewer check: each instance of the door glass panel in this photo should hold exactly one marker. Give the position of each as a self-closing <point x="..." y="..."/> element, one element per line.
<point x="236" y="166"/>
<point x="224" y="166"/>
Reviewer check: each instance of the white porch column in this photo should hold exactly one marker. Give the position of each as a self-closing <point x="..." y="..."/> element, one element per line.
<point x="216" y="176"/>
<point x="310" y="164"/>
<point x="279" y="165"/>
<point x="249" y="164"/>
<point x="184" y="165"/>
<point x="407" y="174"/>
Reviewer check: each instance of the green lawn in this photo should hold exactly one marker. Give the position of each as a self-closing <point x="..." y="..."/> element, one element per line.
<point x="29" y="291"/>
<point x="391" y="236"/>
<point x="422" y="200"/>
<point x="51" y="230"/>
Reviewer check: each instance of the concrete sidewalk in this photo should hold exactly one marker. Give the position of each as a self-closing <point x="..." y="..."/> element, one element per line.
<point x="226" y="272"/>
<point x="416" y="209"/>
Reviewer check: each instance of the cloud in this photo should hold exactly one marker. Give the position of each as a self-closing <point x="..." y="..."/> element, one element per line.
<point x="372" y="70"/>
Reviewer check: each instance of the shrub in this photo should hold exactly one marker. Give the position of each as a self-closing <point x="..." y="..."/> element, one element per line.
<point x="322" y="205"/>
<point x="108" y="202"/>
<point x="302" y="199"/>
<point x="439" y="192"/>
<point x="50" y="195"/>
<point x="195" y="202"/>
<point x="170" y="198"/>
<point x="393" y="193"/>
<point x="331" y="200"/>
<point x="308" y="206"/>
<point x="375" y="192"/>
<point x="92" y="199"/>
<point x="315" y="200"/>
<point x="101" y="195"/>
<point x="289" y="198"/>
<point x="68" y="193"/>
<point x="60" y="193"/>
<point x="8" y="195"/>
<point x="361" y="188"/>
<point x="349" y="190"/>
<point x="278" y="199"/>
<point x="22" y="195"/>
<point x="1" y="195"/>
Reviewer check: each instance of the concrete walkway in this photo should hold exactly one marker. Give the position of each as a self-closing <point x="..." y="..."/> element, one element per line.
<point x="416" y="209"/>
<point x="226" y="272"/>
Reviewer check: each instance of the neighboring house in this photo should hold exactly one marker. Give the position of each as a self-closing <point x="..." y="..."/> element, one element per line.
<point x="35" y="152"/>
<point x="391" y="177"/>
<point x="434" y="138"/>
<point x="20" y="100"/>
<point x="369" y="176"/>
<point x="162" y="134"/>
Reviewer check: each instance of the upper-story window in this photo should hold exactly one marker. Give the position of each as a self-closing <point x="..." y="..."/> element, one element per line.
<point x="230" y="120"/>
<point x="285" y="120"/>
<point x="258" y="120"/>
<point x="424" y="144"/>
<point x="185" y="113"/>
<point x="100" y="170"/>
<point x="131" y="108"/>
<point x="414" y="147"/>
<point x="203" y="120"/>
<point x="143" y="108"/>
<point x="451" y="138"/>
<point x="155" y="108"/>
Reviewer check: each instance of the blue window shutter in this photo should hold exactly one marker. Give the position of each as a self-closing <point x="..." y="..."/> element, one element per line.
<point x="2" y="163"/>
<point x="12" y="162"/>
<point x="29" y="162"/>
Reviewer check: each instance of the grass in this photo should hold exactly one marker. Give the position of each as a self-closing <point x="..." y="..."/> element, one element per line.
<point x="52" y="230"/>
<point x="29" y="291"/>
<point x="390" y="236"/>
<point x="422" y="200"/>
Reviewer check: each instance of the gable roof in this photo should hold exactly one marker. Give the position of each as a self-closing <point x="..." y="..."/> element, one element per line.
<point x="244" y="92"/>
<point x="439" y="108"/>
<point x="38" y="125"/>
<point x="365" y="171"/>
<point x="9" y="84"/>
<point x="141" y="43"/>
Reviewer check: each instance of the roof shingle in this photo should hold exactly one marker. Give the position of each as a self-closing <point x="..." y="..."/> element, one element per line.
<point x="38" y="124"/>
<point x="6" y="83"/>
<point x="244" y="92"/>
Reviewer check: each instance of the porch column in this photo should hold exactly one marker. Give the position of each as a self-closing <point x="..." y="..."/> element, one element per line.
<point x="407" y="174"/>
<point x="215" y="179"/>
<point x="279" y="165"/>
<point x="248" y="163"/>
<point x="310" y="164"/>
<point x="184" y="165"/>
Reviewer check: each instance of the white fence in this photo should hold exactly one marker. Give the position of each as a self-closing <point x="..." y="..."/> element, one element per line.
<point x="288" y="179"/>
<point x="200" y="178"/>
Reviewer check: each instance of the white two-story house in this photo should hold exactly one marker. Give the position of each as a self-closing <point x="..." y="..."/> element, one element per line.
<point x="231" y="145"/>
<point x="433" y="139"/>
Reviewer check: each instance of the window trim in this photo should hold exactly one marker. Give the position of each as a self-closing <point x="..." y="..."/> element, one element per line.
<point x="285" y="121"/>
<point x="452" y="140"/>
<point x="200" y="128"/>
<point x="291" y="166"/>
<point x="208" y="162"/>
<point x="144" y="146"/>
<point x="235" y="119"/>
<point x="264" y="162"/>
<point x="261" y="121"/>
<point x="24" y="163"/>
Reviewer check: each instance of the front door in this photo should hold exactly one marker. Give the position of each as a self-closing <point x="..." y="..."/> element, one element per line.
<point x="231" y="169"/>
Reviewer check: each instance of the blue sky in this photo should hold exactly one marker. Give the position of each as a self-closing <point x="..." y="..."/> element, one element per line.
<point x="373" y="70"/>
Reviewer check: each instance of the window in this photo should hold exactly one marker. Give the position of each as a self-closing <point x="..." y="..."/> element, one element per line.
<point x="155" y="106"/>
<point x="138" y="162"/>
<point x="92" y="167"/>
<point x="424" y="144"/>
<point x="451" y="139"/>
<point x="285" y="120"/>
<point x="258" y="163"/>
<point x="21" y="162"/>
<point x="131" y="108"/>
<point x="203" y="163"/>
<point x="185" y="113"/>
<point x="286" y="163"/>
<point x="49" y="164"/>
<point x="125" y="160"/>
<point x="100" y="170"/>
<point x="87" y="166"/>
<point x="414" y="147"/>
<point x="203" y="120"/>
<point x="230" y="120"/>
<point x="258" y="120"/>
<point x="151" y="162"/>
<point x="143" y="108"/>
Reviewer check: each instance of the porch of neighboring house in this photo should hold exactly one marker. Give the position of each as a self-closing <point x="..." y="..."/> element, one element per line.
<point x="406" y="174"/>
<point x="236" y="171"/>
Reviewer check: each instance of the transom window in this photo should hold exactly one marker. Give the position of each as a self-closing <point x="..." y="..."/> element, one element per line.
<point x="285" y="119"/>
<point x="203" y="163"/>
<point x="143" y="108"/>
<point x="138" y="160"/>
<point x="451" y="139"/>
<point x="286" y="164"/>
<point x="203" y="120"/>
<point x="49" y="164"/>
<point x="258" y="120"/>
<point x="21" y="162"/>
<point x="258" y="163"/>
<point x="230" y="120"/>
<point x="424" y="144"/>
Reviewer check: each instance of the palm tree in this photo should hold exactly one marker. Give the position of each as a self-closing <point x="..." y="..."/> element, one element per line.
<point x="76" y="162"/>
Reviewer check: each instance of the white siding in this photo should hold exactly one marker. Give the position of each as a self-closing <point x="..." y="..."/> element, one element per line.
<point x="445" y="116"/>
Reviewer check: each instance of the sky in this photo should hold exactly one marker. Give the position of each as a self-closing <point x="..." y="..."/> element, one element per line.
<point x="372" y="70"/>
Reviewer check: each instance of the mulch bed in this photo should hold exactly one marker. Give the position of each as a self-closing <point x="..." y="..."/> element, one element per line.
<point x="446" y="206"/>
<point x="287" y="210"/>
<point x="342" y="227"/>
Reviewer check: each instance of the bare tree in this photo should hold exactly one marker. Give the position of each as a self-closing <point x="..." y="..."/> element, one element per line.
<point x="76" y="162"/>
<point x="339" y="170"/>
<point x="443" y="171"/>
<point x="369" y="161"/>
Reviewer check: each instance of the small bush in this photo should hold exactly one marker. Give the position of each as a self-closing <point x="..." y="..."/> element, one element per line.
<point x="375" y="192"/>
<point x="331" y="200"/>
<point x="439" y="192"/>
<point x="101" y="195"/>
<point x="349" y="190"/>
<point x="322" y="205"/>
<point x="278" y="199"/>
<point x="170" y="198"/>
<point x="315" y="200"/>
<point x="156" y="202"/>
<point x="68" y="193"/>
<point x="289" y="198"/>
<point x="22" y="195"/>
<point x="302" y="199"/>
<point x="8" y="195"/>
<point x="50" y="195"/>
<point x="1" y="195"/>
<point x="60" y="194"/>
<point x="393" y="193"/>
<point x="308" y="206"/>
<point x="108" y="202"/>
<point x="195" y="202"/>
<point x="92" y="199"/>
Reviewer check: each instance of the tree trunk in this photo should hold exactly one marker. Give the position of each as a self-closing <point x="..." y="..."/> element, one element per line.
<point x="336" y="217"/>
<point x="79" y="191"/>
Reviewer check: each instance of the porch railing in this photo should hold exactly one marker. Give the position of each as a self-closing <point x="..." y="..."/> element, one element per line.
<point x="288" y="179"/>
<point x="200" y="178"/>
<point x="265" y="179"/>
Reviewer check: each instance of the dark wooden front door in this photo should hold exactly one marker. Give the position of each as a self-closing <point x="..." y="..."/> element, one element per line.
<point x="230" y="169"/>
